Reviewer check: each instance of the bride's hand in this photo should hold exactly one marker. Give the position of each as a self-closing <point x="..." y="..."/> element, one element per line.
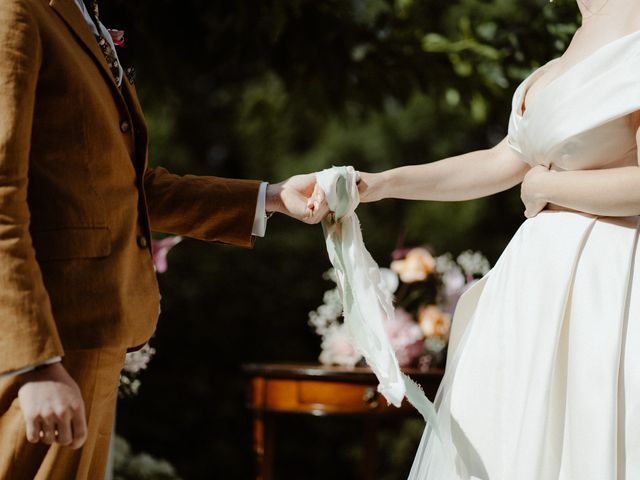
<point x="532" y="191"/>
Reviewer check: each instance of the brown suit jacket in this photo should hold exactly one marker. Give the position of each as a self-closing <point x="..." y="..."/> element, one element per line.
<point x="77" y="201"/>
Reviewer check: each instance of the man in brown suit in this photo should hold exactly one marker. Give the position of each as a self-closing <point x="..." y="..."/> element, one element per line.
<point x="77" y="205"/>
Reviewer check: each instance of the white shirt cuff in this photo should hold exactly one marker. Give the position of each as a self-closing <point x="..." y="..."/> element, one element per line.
<point x="260" y="219"/>
<point x="20" y="371"/>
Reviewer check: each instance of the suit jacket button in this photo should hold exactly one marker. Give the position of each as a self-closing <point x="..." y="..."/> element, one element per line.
<point x="142" y="241"/>
<point x="124" y="126"/>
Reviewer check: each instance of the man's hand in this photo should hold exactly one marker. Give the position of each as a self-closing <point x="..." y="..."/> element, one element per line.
<point x="52" y="407"/>
<point x="294" y="197"/>
<point x="532" y="190"/>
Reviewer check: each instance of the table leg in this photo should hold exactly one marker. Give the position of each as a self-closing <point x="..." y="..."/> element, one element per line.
<point x="370" y="448"/>
<point x="263" y="445"/>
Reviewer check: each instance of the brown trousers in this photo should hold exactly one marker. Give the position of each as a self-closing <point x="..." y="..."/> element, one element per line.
<point x="97" y="373"/>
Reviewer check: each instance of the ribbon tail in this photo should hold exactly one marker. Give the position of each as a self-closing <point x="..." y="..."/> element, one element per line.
<point x="366" y="304"/>
<point x="417" y="398"/>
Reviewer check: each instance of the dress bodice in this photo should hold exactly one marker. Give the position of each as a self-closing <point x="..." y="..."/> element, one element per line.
<point x="582" y="119"/>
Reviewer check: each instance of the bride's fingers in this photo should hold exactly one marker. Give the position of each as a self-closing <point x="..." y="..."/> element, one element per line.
<point x="319" y="215"/>
<point x="318" y="212"/>
<point x="311" y="199"/>
<point x="316" y="198"/>
<point x="315" y="202"/>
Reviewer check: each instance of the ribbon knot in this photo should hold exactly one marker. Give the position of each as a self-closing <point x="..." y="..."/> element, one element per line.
<point x="340" y="189"/>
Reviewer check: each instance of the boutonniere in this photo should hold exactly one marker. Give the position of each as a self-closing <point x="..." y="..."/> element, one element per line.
<point x="118" y="40"/>
<point x="117" y="36"/>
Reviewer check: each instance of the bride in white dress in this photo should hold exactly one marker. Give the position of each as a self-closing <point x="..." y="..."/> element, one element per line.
<point x="543" y="373"/>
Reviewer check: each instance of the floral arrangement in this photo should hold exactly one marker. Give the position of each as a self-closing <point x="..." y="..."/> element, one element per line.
<point x="136" y="362"/>
<point x="426" y="290"/>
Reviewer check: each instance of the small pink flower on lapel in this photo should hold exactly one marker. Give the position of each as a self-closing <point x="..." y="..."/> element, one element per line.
<point x="117" y="36"/>
<point x="160" y="248"/>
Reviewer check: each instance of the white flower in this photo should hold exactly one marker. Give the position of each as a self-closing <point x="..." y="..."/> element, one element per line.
<point x="390" y="279"/>
<point x="337" y="347"/>
<point x="445" y="262"/>
<point x="473" y="263"/>
<point x="434" y="344"/>
<point x="328" y="313"/>
<point x="453" y="281"/>
<point x="330" y="275"/>
<point x="138" y="360"/>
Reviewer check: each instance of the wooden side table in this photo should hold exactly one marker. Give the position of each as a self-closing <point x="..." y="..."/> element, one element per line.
<point x="319" y="390"/>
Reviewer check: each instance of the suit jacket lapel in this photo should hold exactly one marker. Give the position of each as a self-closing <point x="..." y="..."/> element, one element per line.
<point x="72" y="16"/>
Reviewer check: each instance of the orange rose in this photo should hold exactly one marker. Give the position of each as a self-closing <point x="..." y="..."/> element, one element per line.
<point x="416" y="266"/>
<point x="433" y="321"/>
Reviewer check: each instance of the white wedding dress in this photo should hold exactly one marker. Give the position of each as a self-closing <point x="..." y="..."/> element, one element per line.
<point x="543" y="373"/>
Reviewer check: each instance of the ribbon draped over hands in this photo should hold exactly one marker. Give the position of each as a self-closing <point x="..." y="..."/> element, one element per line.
<point x="367" y="302"/>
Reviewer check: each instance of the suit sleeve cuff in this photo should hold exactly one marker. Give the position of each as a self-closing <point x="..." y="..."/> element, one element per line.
<point x="30" y="368"/>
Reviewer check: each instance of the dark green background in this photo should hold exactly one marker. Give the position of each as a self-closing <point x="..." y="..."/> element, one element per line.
<point x="267" y="89"/>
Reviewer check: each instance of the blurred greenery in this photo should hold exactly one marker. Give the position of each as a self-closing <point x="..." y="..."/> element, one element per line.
<point x="278" y="87"/>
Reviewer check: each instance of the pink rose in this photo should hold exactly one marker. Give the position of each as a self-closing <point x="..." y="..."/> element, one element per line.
<point x="337" y="348"/>
<point x="405" y="337"/>
<point x="454" y="286"/>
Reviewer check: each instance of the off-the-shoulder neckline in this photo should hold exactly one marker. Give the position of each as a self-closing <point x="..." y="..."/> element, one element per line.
<point x="526" y="83"/>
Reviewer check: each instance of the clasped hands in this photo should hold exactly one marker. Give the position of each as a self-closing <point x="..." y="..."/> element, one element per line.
<point x="298" y="197"/>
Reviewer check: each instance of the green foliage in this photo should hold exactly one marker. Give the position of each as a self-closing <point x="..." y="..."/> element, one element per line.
<point x="273" y="88"/>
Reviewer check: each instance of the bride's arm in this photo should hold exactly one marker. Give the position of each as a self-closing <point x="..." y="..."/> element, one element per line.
<point x="464" y="177"/>
<point x="613" y="192"/>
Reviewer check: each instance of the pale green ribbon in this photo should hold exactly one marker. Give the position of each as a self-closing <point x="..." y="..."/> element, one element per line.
<point x="366" y="299"/>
